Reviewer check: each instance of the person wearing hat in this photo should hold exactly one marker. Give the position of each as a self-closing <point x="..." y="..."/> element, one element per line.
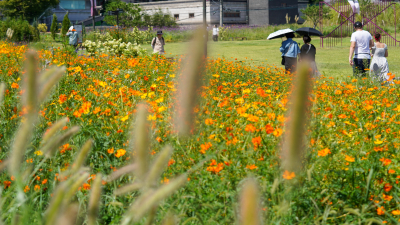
<point x="361" y="43"/>
<point x="73" y="36"/>
<point x="158" y="43"/>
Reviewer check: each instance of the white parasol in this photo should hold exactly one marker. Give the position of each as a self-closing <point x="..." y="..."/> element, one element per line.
<point x="279" y="34"/>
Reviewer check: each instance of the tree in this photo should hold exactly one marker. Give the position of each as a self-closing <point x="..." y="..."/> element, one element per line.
<point x="53" y="28"/>
<point x="130" y="17"/>
<point x="312" y="13"/>
<point x="26" y="9"/>
<point x="66" y="23"/>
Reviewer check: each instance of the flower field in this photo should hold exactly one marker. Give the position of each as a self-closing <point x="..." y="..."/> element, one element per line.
<point x="351" y="165"/>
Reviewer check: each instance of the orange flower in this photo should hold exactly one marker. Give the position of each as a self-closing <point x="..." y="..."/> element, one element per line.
<point x="252" y="118"/>
<point x="387" y="197"/>
<point x="380" y="210"/>
<point x="120" y="152"/>
<point x="251" y="167"/>
<point x="277" y="132"/>
<point x="396" y="212"/>
<point x="6" y="184"/>
<point x="385" y="161"/>
<point x="324" y="152"/>
<point x="288" y="175"/>
<point x="342" y="116"/>
<point x="26" y="189"/>
<point x="44" y="181"/>
<point x="269" y="129"/>
<point x="110" y="151"/>
<point x="387" y="187"/>
<point x="209" y="121"/>
<point x="62" y="98"/>
<point x="170" y="162"/>
<point x="36" y="188"/>
<point x="250" y="128"/>
<point x="256" y="142"/>
<point x="205" y="147"/>
<point x="86" y="186"/>
<point x="391" y="171"/>
<point x="349" y="158"/>
<point x="14" y="85"/>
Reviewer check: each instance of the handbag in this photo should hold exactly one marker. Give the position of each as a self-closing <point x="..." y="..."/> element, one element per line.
<point x="283" y="57"/>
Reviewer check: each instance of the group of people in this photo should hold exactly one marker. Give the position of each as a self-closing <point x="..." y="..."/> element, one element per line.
<point x="362" y="47"/>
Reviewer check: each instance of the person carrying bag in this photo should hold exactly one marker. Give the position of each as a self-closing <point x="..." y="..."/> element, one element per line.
<point x="290" y="50"/>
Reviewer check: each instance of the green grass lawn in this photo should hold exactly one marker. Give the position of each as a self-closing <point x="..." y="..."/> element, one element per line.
<point x="333" y="62"/>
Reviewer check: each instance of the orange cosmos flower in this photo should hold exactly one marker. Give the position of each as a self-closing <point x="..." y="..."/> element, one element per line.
<point x="349" y="158"/>
<point x="385" y="161"/>
<point x="380" y="210"/>
<point x="324" y="152"/>
<point x="62" y="98"/>
<point x="288" y="175"/>
<point x="277" y="132"/>
<point x="6" y="184"/>
<point x="26" y="189"/>
<point x="250" y="128"/>
<point x="396" y="212"/>
<point x="391" y="171"/>
<point x="120" y="152"/>
<point x="209" y="121"/>
<point x="342" y="116"/>
<point x="205" y="147"/>
<point x="252" y="118"/>
<point x="170" y="162"/>
<point x="44" y="181"/>
<point x="387" y="187"/>
<point x="14" y="85"/>
<point x="269" y="129"/>
<point x="36" y="188"/>
<point x="256" y="142"/>
<point x="387" y="197"/>
<point x="251" y="167"/>
<point x="86" y="186"/>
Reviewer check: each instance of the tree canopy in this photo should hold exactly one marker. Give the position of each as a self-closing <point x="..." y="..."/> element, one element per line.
<point x="27" y="9"/>
<point x="312" y="14"/>
<point x="130" y="17"/>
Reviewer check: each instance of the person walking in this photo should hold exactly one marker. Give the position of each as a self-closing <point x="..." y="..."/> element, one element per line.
<point x="215" y="33"/>
<point x="361" y="43"/>
<point x="290" y="50"/>
<point x="307" y="54"/>
<point x="158" y="43"/>
<point x="73" y="36"/>
<point x="379" y="68"/>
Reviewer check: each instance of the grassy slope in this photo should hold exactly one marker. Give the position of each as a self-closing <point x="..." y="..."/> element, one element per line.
<point x="332" y="62"/>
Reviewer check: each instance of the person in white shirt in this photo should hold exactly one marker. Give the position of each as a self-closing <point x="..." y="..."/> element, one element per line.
<point x="361" y="43"/>
<point x="215" y="33"/>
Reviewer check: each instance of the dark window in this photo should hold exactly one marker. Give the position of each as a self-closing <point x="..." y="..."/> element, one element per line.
<point x="232" y="14"/>
<point x="176" y="16"/>
<point x="191" y="15"/>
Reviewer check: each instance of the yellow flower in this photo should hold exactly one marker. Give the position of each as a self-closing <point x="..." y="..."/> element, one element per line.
<point x="125" y="118"/>
<point x="378" y="142"/>
<point x="38" y="152"/>
<point x="151" y="117"/>
<point x="287" y="175"/>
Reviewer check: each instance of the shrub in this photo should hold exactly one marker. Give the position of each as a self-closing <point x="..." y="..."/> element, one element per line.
<point x="42" y="27"/>
<point x="66" y="23"/>
<point x="53" y="28"/>
<point x="22" y="30"/>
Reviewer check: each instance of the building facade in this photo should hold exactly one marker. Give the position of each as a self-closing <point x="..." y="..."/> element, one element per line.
<point x="251" y="12"/>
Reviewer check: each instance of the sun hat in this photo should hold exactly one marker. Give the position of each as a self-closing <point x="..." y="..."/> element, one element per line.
<point x="358" y="24"/>
<point x="159" y="32"/>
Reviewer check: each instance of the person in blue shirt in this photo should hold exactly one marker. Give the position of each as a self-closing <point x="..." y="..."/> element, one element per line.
<point x="290" y="50"/>
<point x="73" y="36"/>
